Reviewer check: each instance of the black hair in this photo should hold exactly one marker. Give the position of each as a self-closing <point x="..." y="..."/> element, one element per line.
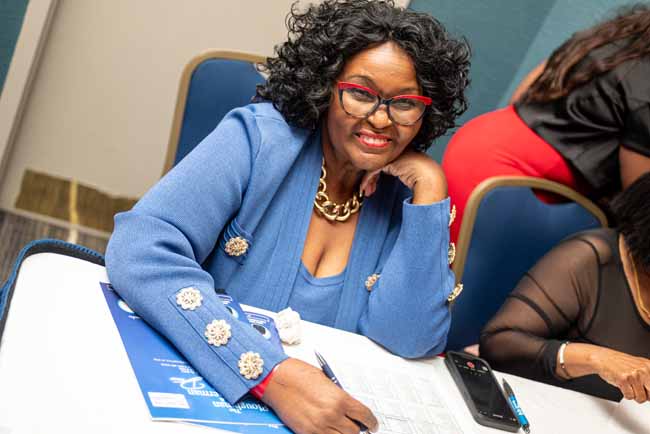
<point x="322" y="38"/>
<point x="631" y="210"/>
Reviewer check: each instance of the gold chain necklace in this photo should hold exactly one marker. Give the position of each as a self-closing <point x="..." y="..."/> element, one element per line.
<point x="332" y="211"/>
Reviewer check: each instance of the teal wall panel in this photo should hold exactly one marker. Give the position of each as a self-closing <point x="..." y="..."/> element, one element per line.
<point x="565" y="18"/>
<point x="508" y="39"/>
<point x="12" y="13"/>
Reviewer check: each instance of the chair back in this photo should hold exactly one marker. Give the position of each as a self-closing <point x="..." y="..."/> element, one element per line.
<point x="212" y="84"/>
<point x="505" y="230"/>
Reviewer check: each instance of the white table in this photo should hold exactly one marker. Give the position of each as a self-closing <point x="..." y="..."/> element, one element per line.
<point x="63" y="367"/>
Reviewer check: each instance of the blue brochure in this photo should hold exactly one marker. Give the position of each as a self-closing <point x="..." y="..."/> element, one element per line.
<point x="171" y="387"/>
<point x="266" y="326"/>
<point x="233" y="307"/>
<point x="260" y="322"/>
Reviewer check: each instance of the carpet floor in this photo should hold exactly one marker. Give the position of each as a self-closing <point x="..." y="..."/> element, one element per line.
<point x="16" y="231"/>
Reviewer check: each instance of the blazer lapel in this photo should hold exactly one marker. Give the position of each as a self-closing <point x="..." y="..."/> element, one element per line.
<point x="371" y="233"/>
<point x="298" y="192"/>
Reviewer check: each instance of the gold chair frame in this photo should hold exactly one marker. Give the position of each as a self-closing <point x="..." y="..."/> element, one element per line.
<point x="475" y="199"/>
<point x="183" y="89"/>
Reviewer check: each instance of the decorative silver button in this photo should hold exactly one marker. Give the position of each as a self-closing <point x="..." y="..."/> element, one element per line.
<point x="451" y="253"/>
<point x="452" y="215"/>
<point x="236" y="246"/>
<point x="455" y="293"/>
<point x="251" y="365"/>
<point x="218" y="332"/>
<point x="189" y="298"/>
<point x="371" y="280"/>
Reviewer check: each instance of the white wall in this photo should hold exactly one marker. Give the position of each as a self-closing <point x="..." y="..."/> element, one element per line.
<point x="22" y="71"/>
<point x="102" y="101"/>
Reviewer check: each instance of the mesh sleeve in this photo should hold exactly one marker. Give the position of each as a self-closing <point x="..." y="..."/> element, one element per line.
<point x="550" y="300"/>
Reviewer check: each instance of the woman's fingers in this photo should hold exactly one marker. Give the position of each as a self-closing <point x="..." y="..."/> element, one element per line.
<point x="640" y="395"/>
<point x="635" y="379"/>
<point x="629" y="373"/>
<point x="369" y="182"/>
<point x="308" y="402"/>
<point x="347" y="426"/>
<point x="627" y="390"/>
<point x="359" y="412"/>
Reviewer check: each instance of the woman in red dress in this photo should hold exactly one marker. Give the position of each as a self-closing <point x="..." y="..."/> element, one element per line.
<point x="581" y="118"/>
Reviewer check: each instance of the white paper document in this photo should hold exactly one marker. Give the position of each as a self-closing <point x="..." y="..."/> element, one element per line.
<point x="403" y="404"/>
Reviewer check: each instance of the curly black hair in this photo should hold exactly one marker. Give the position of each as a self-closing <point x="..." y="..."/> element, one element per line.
<point x="632" y="219"/>
<point x="322" y="38"/>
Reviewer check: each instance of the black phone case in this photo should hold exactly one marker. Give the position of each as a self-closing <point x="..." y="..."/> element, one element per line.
<point x="478" y="417"/>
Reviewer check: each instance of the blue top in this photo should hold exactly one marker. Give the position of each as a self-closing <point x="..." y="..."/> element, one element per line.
<point x="317" y="298"/>
<point x="255" y="177"/>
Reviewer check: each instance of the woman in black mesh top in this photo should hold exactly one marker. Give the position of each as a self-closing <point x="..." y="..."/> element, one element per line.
<point x="586" y="304"/>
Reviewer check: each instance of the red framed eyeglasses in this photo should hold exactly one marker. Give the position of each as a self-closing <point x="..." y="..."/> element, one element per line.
<point x="361" y="102"/>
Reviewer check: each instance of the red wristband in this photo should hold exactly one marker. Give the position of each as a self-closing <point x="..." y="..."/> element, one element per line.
<point x="258" y="391"/>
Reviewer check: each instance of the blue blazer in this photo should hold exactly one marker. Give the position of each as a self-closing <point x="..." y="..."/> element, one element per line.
<point x="255" y="177"/>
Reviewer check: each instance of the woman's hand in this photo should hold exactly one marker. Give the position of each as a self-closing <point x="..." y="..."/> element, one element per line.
<point x="308" y="402"/>
<point x="629" y="373"/>
<point x="418" y="172"/>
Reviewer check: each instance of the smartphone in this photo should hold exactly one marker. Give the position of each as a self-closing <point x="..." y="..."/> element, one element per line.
<point x="481" y="391"/>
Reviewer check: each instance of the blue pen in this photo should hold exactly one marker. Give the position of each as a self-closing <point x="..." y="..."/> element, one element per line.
<point x="330" y="374"/>
<point x="515" y="406"/>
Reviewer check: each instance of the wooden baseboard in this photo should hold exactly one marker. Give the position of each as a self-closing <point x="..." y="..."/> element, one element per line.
<point x="68" y="201"/>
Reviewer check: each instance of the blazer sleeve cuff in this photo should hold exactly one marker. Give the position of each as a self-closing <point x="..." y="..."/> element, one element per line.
<point x="438" y="212"/>
<point x="425" y="229"/>
<point x="230" y="354"/>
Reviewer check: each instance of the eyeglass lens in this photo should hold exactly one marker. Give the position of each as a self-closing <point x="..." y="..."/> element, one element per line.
<point x="361" y="103"/>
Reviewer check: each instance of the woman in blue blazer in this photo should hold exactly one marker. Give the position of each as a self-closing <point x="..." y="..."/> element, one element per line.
<point x="319" y="198"/>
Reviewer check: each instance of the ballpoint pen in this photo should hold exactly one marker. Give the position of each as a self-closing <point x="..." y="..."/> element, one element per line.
<point x="515" y="406"/>
<point x="330" y="374"/>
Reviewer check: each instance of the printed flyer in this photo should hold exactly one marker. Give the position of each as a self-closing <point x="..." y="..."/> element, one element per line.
<point x="171" y="387"/>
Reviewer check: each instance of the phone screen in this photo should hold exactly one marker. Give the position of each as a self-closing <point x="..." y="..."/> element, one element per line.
<point x="483" y="389"/>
